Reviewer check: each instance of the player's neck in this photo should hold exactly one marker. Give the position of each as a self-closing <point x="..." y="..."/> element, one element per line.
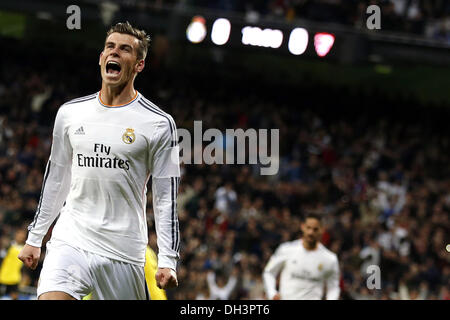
<point x="310" y="246"/>
<point x="116" y="96"/>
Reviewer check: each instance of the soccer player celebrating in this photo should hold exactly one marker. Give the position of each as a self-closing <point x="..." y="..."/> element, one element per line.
<point x="105" y="148"/>
<point x="306" y="266"/>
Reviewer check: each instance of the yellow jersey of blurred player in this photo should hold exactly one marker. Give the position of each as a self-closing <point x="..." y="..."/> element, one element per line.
<point x="151" y="266"/>
<point x="11" y="266"/>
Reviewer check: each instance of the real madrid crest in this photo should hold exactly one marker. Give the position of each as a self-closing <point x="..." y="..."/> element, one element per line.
<point x="320" y="267"/>
<point x="128" y="137"/>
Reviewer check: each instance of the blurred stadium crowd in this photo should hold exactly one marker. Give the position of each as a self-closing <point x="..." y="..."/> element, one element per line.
<point x="430" y="18"/>
<point x="375" y="166"/>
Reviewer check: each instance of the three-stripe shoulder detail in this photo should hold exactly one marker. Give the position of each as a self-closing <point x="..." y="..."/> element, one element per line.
<point x="153" y="108"/>
<point x="82" y="99"/>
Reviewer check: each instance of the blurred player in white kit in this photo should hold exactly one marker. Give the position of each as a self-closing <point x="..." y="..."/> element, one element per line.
<point x="105" y="148"/>
<point x="308" y="270"/>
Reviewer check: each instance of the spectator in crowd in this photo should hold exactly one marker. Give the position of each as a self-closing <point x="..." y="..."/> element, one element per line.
<point x="221" y="288"/>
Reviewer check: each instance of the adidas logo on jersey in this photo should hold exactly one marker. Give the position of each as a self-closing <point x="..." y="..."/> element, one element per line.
<point x="79" y="131"/>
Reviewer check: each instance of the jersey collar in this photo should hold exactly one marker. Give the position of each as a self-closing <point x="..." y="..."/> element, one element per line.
<point x="136" y="96"/>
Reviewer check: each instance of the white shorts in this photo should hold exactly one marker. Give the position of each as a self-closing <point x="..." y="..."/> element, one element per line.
<point x="79" y="273"/>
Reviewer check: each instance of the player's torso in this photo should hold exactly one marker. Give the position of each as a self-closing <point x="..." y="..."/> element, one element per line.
<point x="304" y="273"/>
<point x="110" y="147"/>
<point x="108" y="142"/>
<point x="110" y="151"/>
<point x="308" y="266"/>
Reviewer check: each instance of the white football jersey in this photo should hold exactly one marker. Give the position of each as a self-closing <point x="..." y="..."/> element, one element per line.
<point x="304" y="273"/>
<point x="101" y="160"/>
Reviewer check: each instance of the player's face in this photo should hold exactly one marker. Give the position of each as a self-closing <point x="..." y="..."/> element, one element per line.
<point x="312" y="231"/>
<point x="118" y="60"/>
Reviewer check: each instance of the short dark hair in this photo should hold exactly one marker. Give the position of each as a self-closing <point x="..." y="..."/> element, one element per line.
<point x="313" y="215"/>
<point x="141" y="35"/>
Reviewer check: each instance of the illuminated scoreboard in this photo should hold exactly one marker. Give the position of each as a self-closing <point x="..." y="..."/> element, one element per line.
<point x="221" y="32"/>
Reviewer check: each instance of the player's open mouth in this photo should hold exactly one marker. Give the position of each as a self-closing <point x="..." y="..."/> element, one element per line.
<point x="113" y="68"/>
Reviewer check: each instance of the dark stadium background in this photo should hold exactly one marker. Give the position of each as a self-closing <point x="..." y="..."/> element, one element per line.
<point x="364" y="134"/>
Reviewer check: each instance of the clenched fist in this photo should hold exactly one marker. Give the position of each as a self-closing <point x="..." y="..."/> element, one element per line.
<point x="29" y="255"/>
<point x="166" y="278"/>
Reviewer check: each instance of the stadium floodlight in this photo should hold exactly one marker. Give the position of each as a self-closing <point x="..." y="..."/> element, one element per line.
<point x="250" y="35"/>
<point x="298" y="41"/>
<point x="196" y="31"/>
<point x="221" y="31"/>
<point x="323" y="42"/>
<point x="267" y="38"/>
